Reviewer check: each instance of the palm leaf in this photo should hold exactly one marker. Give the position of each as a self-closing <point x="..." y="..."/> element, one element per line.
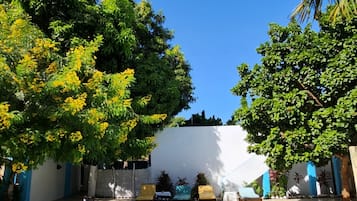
<point x="344" y="8"/>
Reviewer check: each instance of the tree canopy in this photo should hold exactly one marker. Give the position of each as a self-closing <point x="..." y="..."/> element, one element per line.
<point x="133" y="37"/>
<point x="58" y="105"/>
<point x="299" y="104"/>
<point x="201" y="120"/>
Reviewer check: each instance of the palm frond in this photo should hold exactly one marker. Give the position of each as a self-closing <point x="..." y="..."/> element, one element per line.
<point x="304" y="8"/>
<point x="344" y="8"/>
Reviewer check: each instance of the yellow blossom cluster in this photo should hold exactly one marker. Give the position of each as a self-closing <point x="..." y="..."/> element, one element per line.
<point x="28" y="63"/>
<point x="61" y="133"/>
<point x="78" y="54"/>
<point x="16" y="28"/>
<point x="5" y="116"/>
<point x="127" y="103"/>
<point x="113" y="101"/>
<point x="121" y="81"/>
<point x="19" y="167"/>
<point x="122" y="138"/>
<point x="95" y="80"/>
<point x="160" y="117"/>
<point x="51" y="68"/>
<point x="81" y="148"/>
<point x="94" y="116"/>
<point x="3" y="66"/>
<point x="154" y="118"/>
<point x="37" y="85"/>
<point x="68" y="81"/>
<point x="43" y="47"/>
<point x="130" y="124"/>
<point x="144" y="100"/>
<point x="76" y="136"/>
<point x="11" y="30"/>
<point x="74" y="105"/>
<point x="50" y="137"/>
<point x="102" y="128"/>
<point x="27" y="138"/>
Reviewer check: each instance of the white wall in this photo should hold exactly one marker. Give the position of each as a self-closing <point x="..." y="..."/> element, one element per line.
<point x="47" y="182"/>
<point x="123" y="183"/>
<point x="218" y="151"/>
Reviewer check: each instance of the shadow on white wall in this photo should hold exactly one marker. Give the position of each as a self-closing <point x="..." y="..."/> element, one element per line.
<point x="218" y="151"/>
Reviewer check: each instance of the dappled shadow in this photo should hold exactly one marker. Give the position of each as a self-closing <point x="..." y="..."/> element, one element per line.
<point x="186" y="151"/>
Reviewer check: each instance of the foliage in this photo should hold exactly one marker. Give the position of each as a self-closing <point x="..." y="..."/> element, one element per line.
<point x="257" y="187"/>
<point x="60" y="107"/>
<point x="164" y="183"/>
<point x="345" y="9"/>
<point x="200" y="180"/>
<point x="182" y="181"/>
<point x="279" y="185"/>
<point x="133" y="36"/>
<point x="300" y="103"/>
<point x="231" y="121"/>
<point x="176" y="122"/>
<point x="201" y="120"/>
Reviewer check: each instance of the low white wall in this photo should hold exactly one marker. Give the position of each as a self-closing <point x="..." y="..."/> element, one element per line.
<point x="47" y="182"/>
<point x="122" y="183"/>
<point x="218" y="151"/>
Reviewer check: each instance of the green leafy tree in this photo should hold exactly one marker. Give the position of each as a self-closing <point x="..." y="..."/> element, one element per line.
<point x="134" y="37"/>
<point x="59" y="107"/>
<point x="341" y="8"/>
<point x="201" y="120"/>
<point x="231" y="121"/>
<point x="300" y="103"/>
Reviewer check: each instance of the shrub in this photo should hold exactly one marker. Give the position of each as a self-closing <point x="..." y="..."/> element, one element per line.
<point x="164" y="183"/>
<point x="200" y="180"/>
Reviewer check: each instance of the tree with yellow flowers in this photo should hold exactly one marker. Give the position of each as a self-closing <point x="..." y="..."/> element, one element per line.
<point x="59" y="107"/>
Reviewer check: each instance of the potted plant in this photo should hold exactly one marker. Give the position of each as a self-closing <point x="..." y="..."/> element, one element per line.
<point x="164" y="183"/>
<point x="200" y="180"/>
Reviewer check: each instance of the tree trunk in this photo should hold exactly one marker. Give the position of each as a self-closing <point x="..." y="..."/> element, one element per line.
<point x="353" y="155"/>
<point x="345" y="177"/>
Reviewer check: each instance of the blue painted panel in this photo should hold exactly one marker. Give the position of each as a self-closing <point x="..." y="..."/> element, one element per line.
<point x="25" y="184"/>
<point x="311" y="172"/>
<point x="336" y="164"/>
<point x="67" y="183"/>
<point x="266" y="184"/>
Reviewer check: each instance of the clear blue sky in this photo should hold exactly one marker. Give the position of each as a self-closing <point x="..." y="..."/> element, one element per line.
<point x="216" y="37"/>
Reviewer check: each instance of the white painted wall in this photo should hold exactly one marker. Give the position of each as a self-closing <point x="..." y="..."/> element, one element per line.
<point x="218" y="151"/>
<point x="47" y="182"/>
<point x="123" y="183"/>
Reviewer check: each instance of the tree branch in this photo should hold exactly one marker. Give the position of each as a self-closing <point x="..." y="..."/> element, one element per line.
<point x="318" y="102"/>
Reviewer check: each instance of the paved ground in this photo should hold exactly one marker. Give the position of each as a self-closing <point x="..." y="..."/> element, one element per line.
<point x="81" y="198"/>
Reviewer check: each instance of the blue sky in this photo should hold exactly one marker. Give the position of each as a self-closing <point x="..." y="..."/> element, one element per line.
<point x="216" y="37"/>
